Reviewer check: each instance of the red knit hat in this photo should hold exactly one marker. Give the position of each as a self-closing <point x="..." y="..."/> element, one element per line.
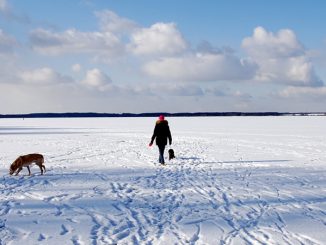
<point x="161" y="117"/>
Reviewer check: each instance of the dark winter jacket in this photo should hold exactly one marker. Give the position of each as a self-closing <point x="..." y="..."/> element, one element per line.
<point x="162" y="133"/>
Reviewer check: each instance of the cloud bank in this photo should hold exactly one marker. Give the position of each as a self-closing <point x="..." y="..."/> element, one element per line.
<point x="165" y="55"/>
<point x="161" y="62"/>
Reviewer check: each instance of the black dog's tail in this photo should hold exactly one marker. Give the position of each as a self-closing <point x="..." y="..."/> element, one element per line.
<point x="171" y="154"/>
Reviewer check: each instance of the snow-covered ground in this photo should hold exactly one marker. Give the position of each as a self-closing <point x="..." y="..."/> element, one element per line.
<point x="236" y="180"/>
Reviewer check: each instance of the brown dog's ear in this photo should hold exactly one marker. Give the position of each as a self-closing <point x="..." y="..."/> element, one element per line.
<point x="18" y="162"/>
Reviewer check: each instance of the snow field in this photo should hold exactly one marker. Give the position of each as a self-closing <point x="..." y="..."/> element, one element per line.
<point x="238" y="180"/>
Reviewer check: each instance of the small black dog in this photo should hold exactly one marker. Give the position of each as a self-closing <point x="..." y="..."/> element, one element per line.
<point x="171" y="154"/>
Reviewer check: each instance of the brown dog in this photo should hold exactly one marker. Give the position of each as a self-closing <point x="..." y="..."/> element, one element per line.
<point x="26" y="161"/>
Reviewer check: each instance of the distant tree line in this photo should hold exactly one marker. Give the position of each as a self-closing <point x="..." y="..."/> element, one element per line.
<point x="156" y="114"/>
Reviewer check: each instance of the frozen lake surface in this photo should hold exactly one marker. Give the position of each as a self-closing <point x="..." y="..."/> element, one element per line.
<point x="235" y="180"/>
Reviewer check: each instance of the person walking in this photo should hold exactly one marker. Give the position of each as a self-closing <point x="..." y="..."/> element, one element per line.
<point x="162" y="134"/>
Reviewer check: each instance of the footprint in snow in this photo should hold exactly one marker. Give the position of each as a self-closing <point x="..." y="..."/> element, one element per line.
<point x="41" y="237"/>
<point x="64" y="230"/>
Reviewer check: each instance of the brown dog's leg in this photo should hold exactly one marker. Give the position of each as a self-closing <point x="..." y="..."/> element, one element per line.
<point x="20" y="169"/>
<point x="40" y="166"/>
<point x="29" y="171"/>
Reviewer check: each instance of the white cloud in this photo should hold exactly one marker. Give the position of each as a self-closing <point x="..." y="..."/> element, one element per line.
<point x="111" y="22"/>
<point x="176" y="90"/>
<point x="312" y="92"/>
<point x="241" y="95"/>
<point x="3" y="5"/>
<point x="159" y="39"/>
<point x="281" y="58"/>
<point x="96" y="79"/>
<point x="9" y="14"/>
<point x="218" y="92"/>
<point x="76" y="68"/>
<point x="267" y="44"/>
<point x="202" y="67"/>
<point x="109" y="42"/>
<point x="43" y="76"/>
<point x="74" y="41"/>
<point x="226" y="92"/>
<point x="7" y="43"/>
<point x="104" y="44"/>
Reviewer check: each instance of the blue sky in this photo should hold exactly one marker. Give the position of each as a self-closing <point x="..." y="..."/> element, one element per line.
<point x="174" y="56"/>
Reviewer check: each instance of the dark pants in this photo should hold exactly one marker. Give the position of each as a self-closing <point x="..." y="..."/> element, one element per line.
<point x="161" y="151"/>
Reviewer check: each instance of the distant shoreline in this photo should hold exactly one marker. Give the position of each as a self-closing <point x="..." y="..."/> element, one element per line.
<point x="155" y="114"/>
